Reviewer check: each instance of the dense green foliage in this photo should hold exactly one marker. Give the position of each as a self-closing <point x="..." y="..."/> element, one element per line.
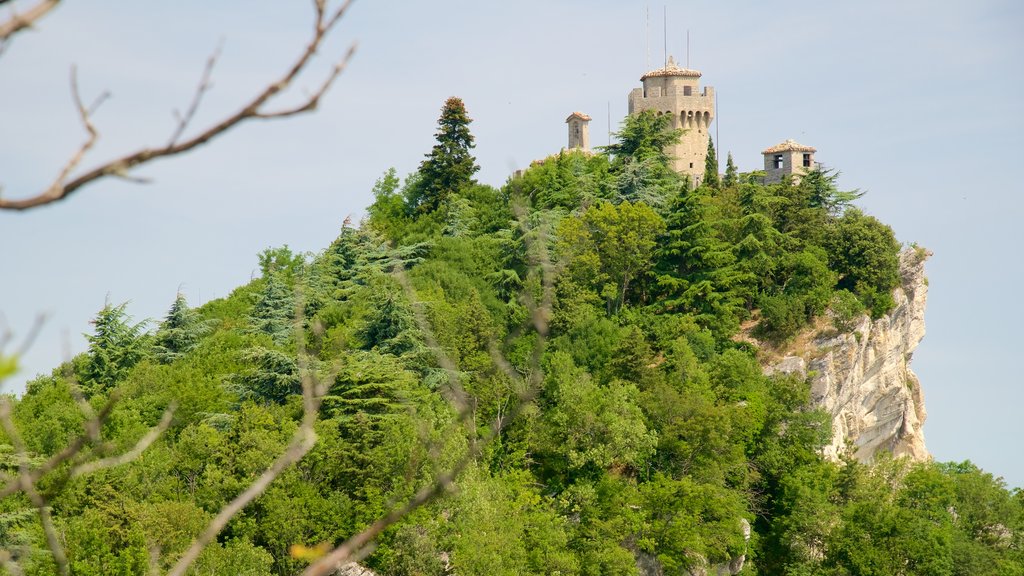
<point x="653" y="436"/>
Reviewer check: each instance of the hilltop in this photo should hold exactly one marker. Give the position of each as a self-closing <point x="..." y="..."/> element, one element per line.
<point x="584" y="347"/>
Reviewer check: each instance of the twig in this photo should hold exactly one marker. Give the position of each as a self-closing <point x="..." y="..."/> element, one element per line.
<point x="457" y="394"/>
<point x="348" y="549"/>
<point x="26" y="483"/>
<point x="302" y="441"/>
<point x="69" y="451"/>
<point x="135" y="452"/>
<point x="33" y="332"/>
<point x="203" y="87"/>
<point x="18" y="22"/>
<point x="62" y="187"/>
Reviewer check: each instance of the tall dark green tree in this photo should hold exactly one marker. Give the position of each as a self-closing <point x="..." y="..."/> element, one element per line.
<point x="450" y="166"/>
<point x="821" y="191"/>
<point x="114" y="347"/>
<point x="180" y="331"/>
<point x="711" y="166"/>
<point x="696" y="270"/>
<point x="643" y="135"/>
<point x="731" y="174"/>
<point x="640" y="159"/>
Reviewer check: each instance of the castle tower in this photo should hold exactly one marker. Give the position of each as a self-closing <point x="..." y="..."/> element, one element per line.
<point x="676" y="91"/>
<point x="787" y="158"/>
<point x="579" y="131"/>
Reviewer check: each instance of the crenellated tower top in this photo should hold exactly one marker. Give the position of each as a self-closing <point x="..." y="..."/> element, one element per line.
<point x="676" y="91"/>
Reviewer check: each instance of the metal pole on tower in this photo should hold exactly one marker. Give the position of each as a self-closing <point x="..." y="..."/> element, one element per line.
<point x="664" y="35"/>
<point x="609" y="122"/>
<point x="647" y="39"/>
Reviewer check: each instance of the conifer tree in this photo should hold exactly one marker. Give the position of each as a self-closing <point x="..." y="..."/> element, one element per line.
<point x="273" y="376"/>
<point x="711" y="167"/>
<point x="450" y="166"/>
<point x="114" y="347"/>
<point x="697" y="271"/>
<point x="274" y="310"/>
<point x="731" y="174"/>
<point x="180" y="331"/>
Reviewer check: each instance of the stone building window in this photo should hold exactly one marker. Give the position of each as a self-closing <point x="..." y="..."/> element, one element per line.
<point x="777" y="161"/>
<point x="807" y="160"/>
<point x="687" y="90"/>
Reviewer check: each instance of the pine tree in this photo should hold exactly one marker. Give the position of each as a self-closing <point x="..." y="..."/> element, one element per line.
<point x="450" y="166"/>
<point x="697" y="271"/>
<point x="274" y="310"/>
<point x="731" y="174"/>
<point x="711" y="167"/>
<point x="114" y="347"/>
<point x="273" y="376"/>
<point x="180" y="331"/>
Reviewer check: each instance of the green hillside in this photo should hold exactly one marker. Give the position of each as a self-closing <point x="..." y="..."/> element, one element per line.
<point x="565" y="345"/>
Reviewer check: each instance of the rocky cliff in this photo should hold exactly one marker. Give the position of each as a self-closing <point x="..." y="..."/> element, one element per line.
<point x="863" y="377"/>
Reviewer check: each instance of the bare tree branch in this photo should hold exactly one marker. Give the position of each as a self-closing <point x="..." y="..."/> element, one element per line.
<point x="313" y="391"/>
<point x="254" y="109"/>
<point x="18" y="22"/>
<point x="204" y="86"/>
<point x="26" y="483"/>
<point x="69" y="451"/>
<point x="351" y="549"/>
<point x="140" y="446"/>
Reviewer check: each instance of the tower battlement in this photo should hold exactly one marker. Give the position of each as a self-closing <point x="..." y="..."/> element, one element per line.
<point x="677" y="92"/>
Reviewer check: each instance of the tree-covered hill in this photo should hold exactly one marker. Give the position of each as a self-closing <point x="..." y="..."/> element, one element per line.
<point x="564" y="344"/>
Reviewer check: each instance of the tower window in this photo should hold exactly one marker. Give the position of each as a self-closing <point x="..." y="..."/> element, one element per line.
<point x="691" y="164"/>
<point x="777" y="161"/>
<point x="687" y="90"/>
<point x="807" y="160"/>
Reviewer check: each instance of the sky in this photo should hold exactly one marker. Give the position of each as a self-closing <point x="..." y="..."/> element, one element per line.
<point x="916" y="102"/>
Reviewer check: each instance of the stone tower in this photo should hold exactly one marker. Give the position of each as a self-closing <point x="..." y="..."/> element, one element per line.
<point x="676" y="91"/>
<point x="579" y="131"/>
<point x="787" y="158"/>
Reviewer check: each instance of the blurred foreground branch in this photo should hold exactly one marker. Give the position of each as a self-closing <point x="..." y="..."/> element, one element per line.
<point x="66" y="184"/>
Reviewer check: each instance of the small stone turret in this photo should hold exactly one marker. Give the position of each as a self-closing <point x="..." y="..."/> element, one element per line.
<point x="579" y="131"/>
<point x="787" y="158"/>
<point x="676" y="91"/>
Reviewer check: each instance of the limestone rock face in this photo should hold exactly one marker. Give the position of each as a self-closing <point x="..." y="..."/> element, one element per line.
<point x="863" y="378"/>
<point x="353" y="569"/>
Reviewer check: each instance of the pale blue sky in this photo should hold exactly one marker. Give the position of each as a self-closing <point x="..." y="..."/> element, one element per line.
<point x="916" y="102"/>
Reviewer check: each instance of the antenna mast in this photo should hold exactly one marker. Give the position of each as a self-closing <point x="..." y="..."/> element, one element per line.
<point x="718" y="149"/>
<point x="687" y="47"/>
<point x="609" y="122"/>
<point x="647" y="39"/>
<point x="664" y="35"/>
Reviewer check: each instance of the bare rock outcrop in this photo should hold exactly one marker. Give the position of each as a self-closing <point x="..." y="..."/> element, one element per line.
<point x="863" y="377"/>
<point x="353" y="569"/>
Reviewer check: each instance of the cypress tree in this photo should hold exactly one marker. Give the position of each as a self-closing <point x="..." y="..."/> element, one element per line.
<point x="731" y="174"/>
<point x="450" y="166"/>
<point x="711" y="167"/>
